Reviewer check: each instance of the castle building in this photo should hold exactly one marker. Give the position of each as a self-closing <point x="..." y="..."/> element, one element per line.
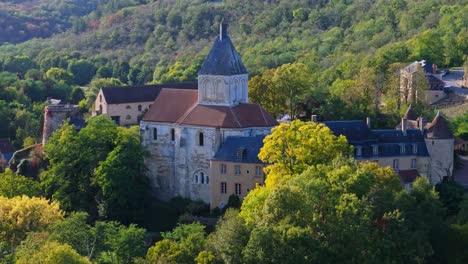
<point x="185" y="128"/>
<point x="414" y="148"/>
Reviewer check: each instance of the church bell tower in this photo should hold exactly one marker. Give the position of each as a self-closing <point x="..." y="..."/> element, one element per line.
<point x="223" y="78"/>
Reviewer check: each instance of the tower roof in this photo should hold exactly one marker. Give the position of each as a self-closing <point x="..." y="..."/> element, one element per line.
<point x="439" y="128"/>
<point x="410" y="114"/>
<point x="223" y="58"/>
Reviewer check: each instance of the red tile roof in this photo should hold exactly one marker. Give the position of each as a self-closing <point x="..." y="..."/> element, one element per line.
<point x="180" y="106"/>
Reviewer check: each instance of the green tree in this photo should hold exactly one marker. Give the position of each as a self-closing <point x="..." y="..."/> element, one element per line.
<point x="59" y="75"/>
<point x="19" y="64"/>
<point x="83" y="71"/>
<point x="76" y="95"/>
<point x="12" y="185"/>
<point x="54" y="253"/>
<point x="96" y="85"/>
<point x="124" y="185"/>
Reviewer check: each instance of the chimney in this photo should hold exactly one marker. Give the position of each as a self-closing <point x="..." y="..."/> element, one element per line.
<point x="368" y="122"/>
<point x="404" y="125"/>
<point x="313" y="118"/>
<point x="222" y="29"/>
<point x="421" y="123"/>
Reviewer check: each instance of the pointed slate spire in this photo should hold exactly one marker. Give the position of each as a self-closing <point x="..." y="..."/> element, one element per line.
<point x="439" y="128"/>
<point x="223" y="58"/>
<point x="410" y="113"/>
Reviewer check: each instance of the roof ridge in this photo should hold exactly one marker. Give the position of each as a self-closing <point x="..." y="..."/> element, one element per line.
<point x="263" y="114"/>
<point x="235" y="117"/>
<point x="181" y="119"/>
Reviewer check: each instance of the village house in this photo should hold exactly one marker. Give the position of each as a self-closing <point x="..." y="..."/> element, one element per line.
<point x="415" y="148"/>
<point x="126" y="105"/>
<point x="235" y="169"/>
<point x="185" y="128"/>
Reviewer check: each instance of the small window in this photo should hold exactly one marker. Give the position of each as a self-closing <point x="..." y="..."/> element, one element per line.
<point x="201" y="139"/>
<point x="202" y="178"/>
<point x="413" y="163"/>
<point x="207" y="180"/>
<point x="358" y="151"/>
<point x="155" y="134"/>
<point x="172" y="134"/>
<point x="100" y="109"/>
<point x="396" y="164"/>
<point x="402" y="149"/>
<point x="375" y="150"/>
<point x="223" y="168"/>
<point x="195" y="178"/>
<point x="238" y="189"/>
<point x="129" y="107"/>
<point x="237" y="169"/>
<point x="128" y="117"/>
<point x="415" y="148"/>
<point x="100" y="98"/>
<point x="223" y="187"/>
<point x="258" y="171"/>
<point x="240" y="153"/>
<point x="139" y="108"/>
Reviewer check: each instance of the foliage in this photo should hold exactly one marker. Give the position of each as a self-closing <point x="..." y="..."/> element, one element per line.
<point x="182" y="245"/>
<point x="451" y="195"/>
<point x="12" y="185"/>
<point x="459" y="126"/>
<point x="292" y="148"/>
<point x="52" y="253"/>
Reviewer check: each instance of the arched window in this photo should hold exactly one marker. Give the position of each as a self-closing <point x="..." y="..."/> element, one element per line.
<point x="100" y="109"/>
<point x="139" y="108"/>
<point x="195" y="178"/>
<point x="202" y="178"/>
<point x="172" y="134"/>
<point x="155" y="134"/>
<point x="100" y="98"/>
<point x="201" y="139"/>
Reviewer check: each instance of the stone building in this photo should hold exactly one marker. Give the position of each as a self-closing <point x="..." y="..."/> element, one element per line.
<point x="414" y="148"/>
<point x="433" y="91"/>
<point x="235" y="169"/>
<point x="184" y="128"/>
<point x="56" y="113"/>
<point x="126" y="105"/>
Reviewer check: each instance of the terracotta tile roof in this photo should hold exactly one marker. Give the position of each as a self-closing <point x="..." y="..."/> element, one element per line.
<point x="408" y="176"/>
<point x="438" y="128"/>
<point x="171" y="105"/>
<point x="180" y="106"/>
<point x="145" y="93"/>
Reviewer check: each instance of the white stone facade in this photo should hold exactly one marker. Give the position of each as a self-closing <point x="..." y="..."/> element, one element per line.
<point x="178" y="164"/>
<point x="223" y="90"/>
<point x="441" y="161"/>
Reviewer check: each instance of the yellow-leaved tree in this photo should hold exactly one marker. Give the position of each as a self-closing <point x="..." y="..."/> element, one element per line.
<point x="292" y="148"/>
<point x="54" y="253"/>
<point x="22" y="214"/>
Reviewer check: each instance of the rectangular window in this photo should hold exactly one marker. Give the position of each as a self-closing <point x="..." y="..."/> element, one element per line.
<point x="237" y="169"/>
<point x="238" y="189"/>
<point x="223" y="187"/>
<point x="358" y="151"/>
<point x="375" y="150"/>
<point x="258" y="171"/>
<point x="413" y="163"/>
<point x="223" y="168"/>
<point x="172" y="134"/>
<point x="402" y="149"/>
<point x="415" y="148"/>
<point x="395" y="164"/>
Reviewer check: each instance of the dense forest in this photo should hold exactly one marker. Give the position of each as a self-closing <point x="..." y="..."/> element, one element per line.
<point x="338" y="59"/>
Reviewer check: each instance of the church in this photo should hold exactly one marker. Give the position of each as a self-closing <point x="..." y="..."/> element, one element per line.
<point x="184" y="128"/>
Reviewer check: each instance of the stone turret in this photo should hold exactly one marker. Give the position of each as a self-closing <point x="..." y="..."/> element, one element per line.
<point x="223" y="78"/>
<point x="439" y="142"/>
<point x="54" y="116"/>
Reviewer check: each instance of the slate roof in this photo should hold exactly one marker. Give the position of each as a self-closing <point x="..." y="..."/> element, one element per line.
<point x="180" y="107"/>
<point x="388" y="141"/>
<point x="410" y="113"/>
<point x="251" y="145"/>
<point x="223" y="58"/>
<point x="438" y="128"/>
<point x="144" y="93"/>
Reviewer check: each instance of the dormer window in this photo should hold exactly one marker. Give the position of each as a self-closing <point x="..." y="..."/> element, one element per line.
<point x="358" y="151"/>
<point x="240" y="153"/>
<point x="415" y="148"/>
<point x="375" y="150"/>
<point x="402" y="149"/>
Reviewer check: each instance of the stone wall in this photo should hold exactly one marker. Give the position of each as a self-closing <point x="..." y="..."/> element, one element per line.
<point x="54" y="116"/>
<point x="223" y="90"/>
<point x="441" y="163"/>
